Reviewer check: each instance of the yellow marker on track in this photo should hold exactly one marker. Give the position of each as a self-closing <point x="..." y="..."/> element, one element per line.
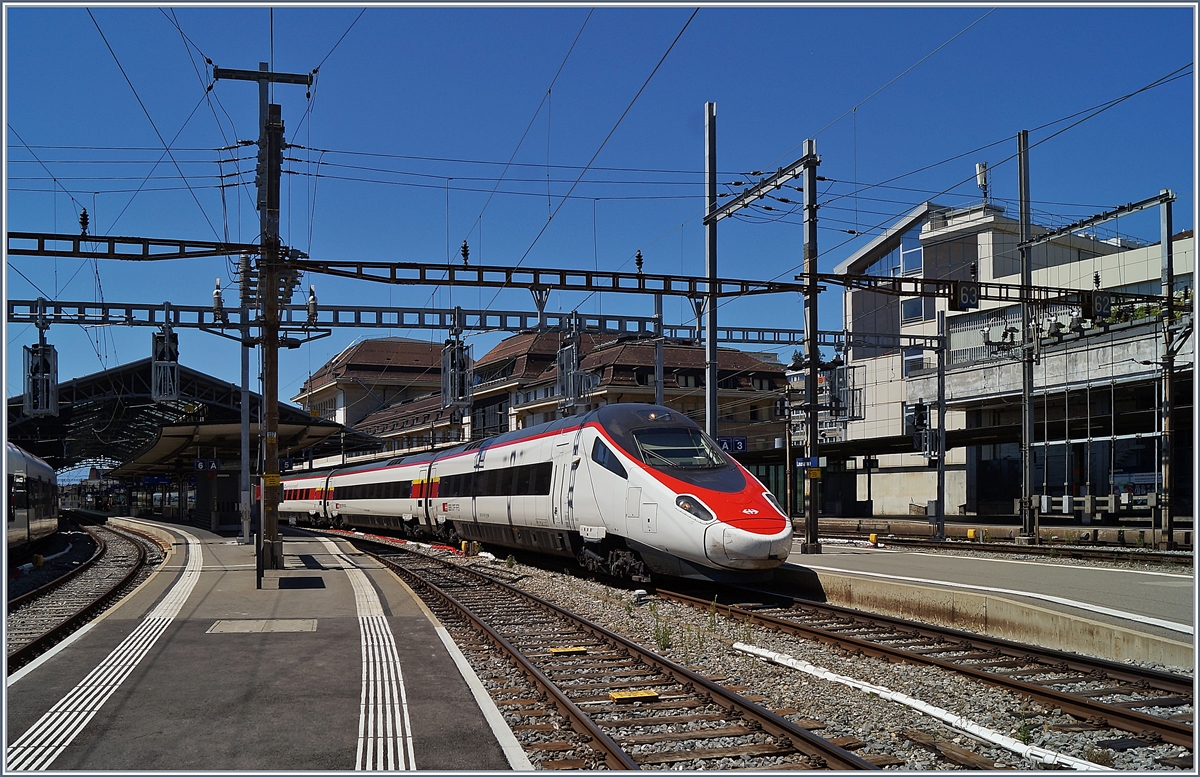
<point x="633" y="695"/>
<point x="567" y="651"/>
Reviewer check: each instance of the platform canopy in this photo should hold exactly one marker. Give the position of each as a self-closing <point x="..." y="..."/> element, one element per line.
<point x="110" y="418"/>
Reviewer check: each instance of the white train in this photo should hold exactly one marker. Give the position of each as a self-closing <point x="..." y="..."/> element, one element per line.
<point x="32" y="503"/>
<point x="629" y="489"/>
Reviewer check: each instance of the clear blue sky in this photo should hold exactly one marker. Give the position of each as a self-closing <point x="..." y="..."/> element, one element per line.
<point x="433" y="101"/>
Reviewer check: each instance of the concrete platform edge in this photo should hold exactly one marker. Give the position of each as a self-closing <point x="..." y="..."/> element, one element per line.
<point x="500" y="729"/>
<point x="993" y="615"/>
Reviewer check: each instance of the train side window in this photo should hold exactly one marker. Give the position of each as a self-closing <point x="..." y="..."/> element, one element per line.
<point x="607" y="459"/>
<point x="521" y="480"/>
<point x="542" y="475"/>
<point x="507" y="481"/>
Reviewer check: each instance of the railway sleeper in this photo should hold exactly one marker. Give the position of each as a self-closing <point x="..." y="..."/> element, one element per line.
<point x="950" y="751"/>
<point x="675" y="736"/>
<point x="663" y="720"/>
<point x="583" y="674"/>
<point x="1165" y="701"/>
<point x="1112" y="690"/>
<point x="608" y="706"/>
<point x="658" y="682"/>
<point x="566" y="763"/>
<point x="706" y="754"/>
<point x="605" y="664"/>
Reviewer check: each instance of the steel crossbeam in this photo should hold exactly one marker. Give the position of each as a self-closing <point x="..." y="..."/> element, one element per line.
<point x="999" y="292"/>
<point x="48" y="312"/>
<point x="495" y="276"/>
<point x="112" y="247"/>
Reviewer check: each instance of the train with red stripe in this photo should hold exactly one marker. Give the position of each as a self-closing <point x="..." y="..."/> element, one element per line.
<point x="628" y="489"/>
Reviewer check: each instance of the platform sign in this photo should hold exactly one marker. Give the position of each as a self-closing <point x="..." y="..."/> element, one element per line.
<point x="732" y="444"/>
<point x="155" y="480"/>
<point x="285" y="465"/>
<point x="965" y="295"/>
<point x="207" y="465"/>
<point x="270" y="479"/>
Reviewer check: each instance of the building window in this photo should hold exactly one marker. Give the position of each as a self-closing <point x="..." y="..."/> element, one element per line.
<point x="685" y="381"/>
<point x="762" y="384"/>
<point x="914" y="359"/>
<point x="912" y="310"/>
<point x="910" y="252"/>
<point x="754" y="413"/>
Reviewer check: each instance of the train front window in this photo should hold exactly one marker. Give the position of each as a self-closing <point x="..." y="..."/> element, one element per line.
<point x="677" y="447"/>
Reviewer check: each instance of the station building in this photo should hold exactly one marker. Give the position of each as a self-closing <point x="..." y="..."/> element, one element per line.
<point x="1098" y="385"/>
<point x="371" y="374"/>
<point x="517" y="386"/>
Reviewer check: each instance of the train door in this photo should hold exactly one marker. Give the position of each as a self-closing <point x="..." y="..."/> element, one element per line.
<point x="560" y="494"/>
<point x="18" y="512"/>
<point x="425" y="503"/>
<point x="633" y="511"/>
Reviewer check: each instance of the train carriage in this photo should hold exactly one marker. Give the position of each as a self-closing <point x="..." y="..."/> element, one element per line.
<point x="32" y="503"/>
<point x="628" y="489"/>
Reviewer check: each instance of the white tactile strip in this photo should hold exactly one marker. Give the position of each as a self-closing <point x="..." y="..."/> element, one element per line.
<point x="384" y="731"/>
<point x="38" y="747"/>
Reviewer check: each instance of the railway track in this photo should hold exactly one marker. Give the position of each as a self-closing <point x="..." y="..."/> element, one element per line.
<point x="585" y="697"/>
<point x="1151" y="705"/>
<point x="1099" y="553"/>
<point x="39" y="619"/>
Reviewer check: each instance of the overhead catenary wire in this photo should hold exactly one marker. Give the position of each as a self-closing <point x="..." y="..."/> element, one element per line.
<point x="532" y="119"/>
<point x="150" y="118"/>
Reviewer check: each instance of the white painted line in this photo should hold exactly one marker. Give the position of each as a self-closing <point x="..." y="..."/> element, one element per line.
<point x="384" y="731"/>
<point x="517" y="759"/>
<point x="1184" y="628"/>
<point x="38" y="747"/>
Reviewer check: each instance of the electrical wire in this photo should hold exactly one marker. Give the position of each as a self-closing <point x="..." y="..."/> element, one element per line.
<point x="166" y="146"/>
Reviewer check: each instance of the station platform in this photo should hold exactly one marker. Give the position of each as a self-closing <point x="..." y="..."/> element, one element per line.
<point x="1103" y="611"/>
<point x="334" y="664"/>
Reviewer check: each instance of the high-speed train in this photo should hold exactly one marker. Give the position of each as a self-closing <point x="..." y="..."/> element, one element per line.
<point x="628" y="489"/>
<point x="32" y="503"/>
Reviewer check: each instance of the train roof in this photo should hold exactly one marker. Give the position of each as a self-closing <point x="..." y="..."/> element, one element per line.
<point x="16" y="452"/>
<point x="619" y="418"/>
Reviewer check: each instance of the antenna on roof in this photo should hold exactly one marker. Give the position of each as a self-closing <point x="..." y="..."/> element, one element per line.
<point x="981" y="179"/>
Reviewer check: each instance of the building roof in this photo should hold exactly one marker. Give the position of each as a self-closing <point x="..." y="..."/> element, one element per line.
<point x="111" y="417"/>
<point x="640" y="353"/>
<point x="382" y="360"/>
<point x="888" y="239"/>
<point x="404" y="415"/>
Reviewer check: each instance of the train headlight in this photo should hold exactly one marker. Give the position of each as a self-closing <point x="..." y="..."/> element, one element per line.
<point x="771" y="498"/>
<point x="691" y="504"/>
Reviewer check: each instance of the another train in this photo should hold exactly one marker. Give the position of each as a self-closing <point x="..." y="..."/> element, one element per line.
<point x="32" y="503"/>
<point x="627" y="489"/>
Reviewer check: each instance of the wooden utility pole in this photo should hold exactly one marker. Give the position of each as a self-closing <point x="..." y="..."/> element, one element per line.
<point x="1029" y="523"/>
<point x="710" y="265"/>
<point x="812" y="540"/>
<point x="270" y="166"/>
